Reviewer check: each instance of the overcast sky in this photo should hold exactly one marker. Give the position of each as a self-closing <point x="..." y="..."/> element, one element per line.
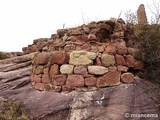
<point x="22" y="21"/>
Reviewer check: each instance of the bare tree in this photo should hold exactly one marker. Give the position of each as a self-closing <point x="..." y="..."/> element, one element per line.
<point x="155" y="11"/>
<point x="130" y="17"/>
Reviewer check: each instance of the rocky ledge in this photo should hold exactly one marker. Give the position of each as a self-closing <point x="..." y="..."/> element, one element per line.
<point x="139" y="97"/>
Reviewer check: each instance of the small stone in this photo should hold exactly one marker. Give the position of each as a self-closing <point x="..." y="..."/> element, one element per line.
<point x="121" y="49"/>
<point x="82" y="58"/>
<point x="39" y="70"/>
<point x="48" y="87"/>
<point x="54" y="70"/>
<point x="90" y="81"/>
<point x="139" y="65"/>
<point x="97" y="70"/>
<point x="110" y="49"/>
<point x="69" y="48"/>
<point x="135" y="53"/>
<point x="109" y="79"/>
<point x="98" y="61"/>
<point x="57" y="88"/>
<point x="127" y="77"/>
<point x="59" y="79"/>
<point x="75" y="81"/>
<point x="130" y="62"/>
<point x="122" y="68"/>
<point x="82" y="70"/>
<point x="42" y="58"/>
<point x="92" y="37"/>
<point x="75" y="32"/>
<point x="107" y="60"/>
<point x="58" y="57"/>
<point x="37" y="79"/>
<point x="120" y="60"/>
<point x="86" y="47"/>
<point x="112" y="68"/>
<point x="66" y="69"/>
<point x="45" y="78"/>
<point x="39" y="86"/>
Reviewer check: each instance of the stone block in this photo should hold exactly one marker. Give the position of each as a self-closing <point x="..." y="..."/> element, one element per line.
<point x="109" y="79"/>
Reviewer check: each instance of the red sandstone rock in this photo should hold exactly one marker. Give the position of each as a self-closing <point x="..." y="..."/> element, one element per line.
<point x="46" y="70"/>
<point x="86" y="29"/>
<point x="90" y="81"/>
<point x="92" y="37"/>
<point x="98" y="61"/>
<point x="139" y="65"/>
<point x="135" y="53"/>
<point x="59" y="79"/>
<point x="83" y="38"/>
<point x="120" y="60"/>
<point x="75" y="32"/>
<point x="122" y="68"/>
<point x="112" y="68"/>
<point x="54" y="70"/>
<point x="48" y="87"/>
<point x="68" y="48"/>
<point x="127" y="77"/>
<point x="42" y="58"/>
<point x="86" y="47"/>
<point x="110" y="49"/>
<point x="109" y="79"/>
<point x="121" y="49"/>
<point x="33" y="83"/>
<point x="45" y="78"/>
<point x="61" y="32"/>
<point x="80" y="70"/>
<point x="141" y="15"/>
<point x="37" y="79"/>
<point x="58" y="57"/>
<point x="73" y="38"/>
<point x="75" y="81"/>
<point x="130" y="62"/>
<point x="39" y="86"/>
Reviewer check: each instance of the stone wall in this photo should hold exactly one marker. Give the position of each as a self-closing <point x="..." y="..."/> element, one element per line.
<point x="86" y="57"/>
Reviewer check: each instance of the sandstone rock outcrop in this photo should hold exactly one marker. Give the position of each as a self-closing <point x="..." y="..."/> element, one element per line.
<point x="15" y="84"/>
<point x="141" y="15"/>
<point x="87" y="101"/>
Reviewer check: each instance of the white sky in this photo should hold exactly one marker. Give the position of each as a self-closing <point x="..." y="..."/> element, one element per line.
<point x="22" y="21"/>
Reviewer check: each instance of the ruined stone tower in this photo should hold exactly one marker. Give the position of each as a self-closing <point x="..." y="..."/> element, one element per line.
<point x="141" y="15"/>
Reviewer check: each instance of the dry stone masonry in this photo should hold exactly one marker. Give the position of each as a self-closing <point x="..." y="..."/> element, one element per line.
<point x="89" y="56"/>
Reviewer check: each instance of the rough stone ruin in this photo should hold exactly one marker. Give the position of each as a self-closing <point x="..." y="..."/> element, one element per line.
<point x="141" y="15"/>
<point x="84" y="58"/>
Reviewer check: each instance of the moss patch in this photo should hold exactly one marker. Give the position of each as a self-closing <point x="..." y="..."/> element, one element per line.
<point x="12" y="110"/>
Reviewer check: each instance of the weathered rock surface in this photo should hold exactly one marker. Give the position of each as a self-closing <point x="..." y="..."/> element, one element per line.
<point x="109" y="79"/>
<point x="66" y="69"/>
<point x="97" y="70"/>
<point x="113" y="102"/>
<point x="82" y="58"/>
<point x="108" y="60"/>
<point x="127" y="77"/>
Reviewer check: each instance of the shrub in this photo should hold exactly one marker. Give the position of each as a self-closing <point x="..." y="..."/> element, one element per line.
<point x="148" y="38"/>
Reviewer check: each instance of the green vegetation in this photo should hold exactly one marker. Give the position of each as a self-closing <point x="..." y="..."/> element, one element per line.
<point x="12" y="110"/>
<point x="148" y="38"/>
<point x="2" y="56"/>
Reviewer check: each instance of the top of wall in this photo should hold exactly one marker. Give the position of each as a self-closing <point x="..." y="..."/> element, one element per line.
<point x="68" y="39"/>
